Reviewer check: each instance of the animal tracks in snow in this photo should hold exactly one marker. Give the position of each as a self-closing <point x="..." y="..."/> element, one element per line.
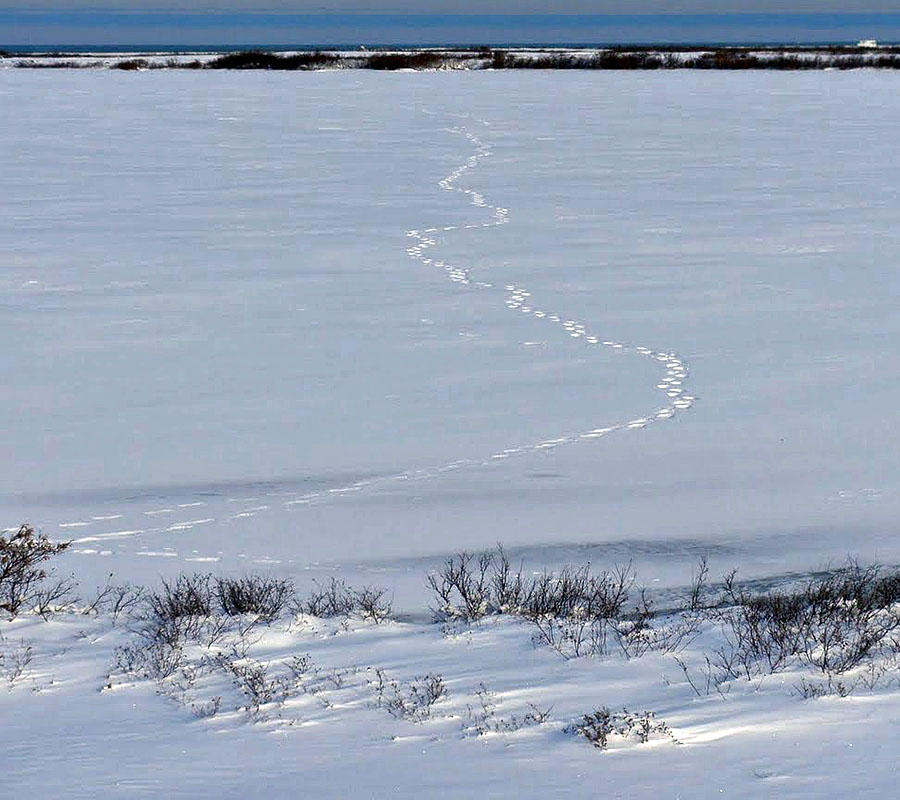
<point x="517" y="299"/>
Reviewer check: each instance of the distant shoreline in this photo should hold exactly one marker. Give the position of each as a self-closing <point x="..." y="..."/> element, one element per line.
<point x="666" y="57"/>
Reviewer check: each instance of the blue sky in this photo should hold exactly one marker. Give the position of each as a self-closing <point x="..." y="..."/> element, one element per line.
<point x="288" y="22"/>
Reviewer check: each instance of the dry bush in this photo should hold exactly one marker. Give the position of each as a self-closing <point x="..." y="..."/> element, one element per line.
<point x="337" y="599"/>
<point x="54" y="596"/>
<point x="411" y="700"/>
<point x="154" y="660"/>
<point x="116" y="599"/>
<point x="14" y="660"/>
<point x="181" y="611"/>
<point x="601" y="725"/>
<point x="253" y="680"/>
<point x="253" y="594"/>
<point x="188" y="596"/>
<point x="484" y="719"/>
<point x="422" y="59"/>
<point x="470" y="586"/>
<point x="22" y="555"/>
<point x="833" y="623"/>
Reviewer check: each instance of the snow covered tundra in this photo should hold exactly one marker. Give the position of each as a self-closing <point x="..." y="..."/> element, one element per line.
<point x="286" y="355"/>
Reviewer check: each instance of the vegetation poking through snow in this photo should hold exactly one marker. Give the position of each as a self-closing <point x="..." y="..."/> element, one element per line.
<point x="421" y="59"/>
<point x="337" y="599"/>
<point x="722" y="58"/>
<point x="785" y="58"/>
<point x="196" y="635"/>
<point x="832" y="623"/>
<point x="483" y="719"/>
<point x="602" y="726"/>
<point x="265" y="597"/>
<point x="471" y="586"/>
<point x="258" y="59"/>
<point x="115" y="599"/>
<point x="22" y="556"/>
<point x="14" y="660"/>
<point x="410" y="700"/>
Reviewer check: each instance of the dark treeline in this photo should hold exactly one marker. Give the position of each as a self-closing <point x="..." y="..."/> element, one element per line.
<point x="722" y="59"/>
<point x="840" y="57"/>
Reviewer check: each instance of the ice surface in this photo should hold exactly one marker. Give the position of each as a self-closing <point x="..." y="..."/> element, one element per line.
<point x="211" y="321"/>
<point x="218" y="354"/>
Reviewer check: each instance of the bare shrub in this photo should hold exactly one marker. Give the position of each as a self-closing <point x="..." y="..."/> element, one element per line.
<point x="484" y="719"/>
<point x="115" y="599"/>
<point x="635" y="633"/>
<point x="470" y="586"/>
<point x="254" y="682"/>
<point x="833" y="623"/>
<point x="645" y="629"/>
<point x="883" y="672"/>
<point x="601" y="725"/>
<point x="722" y="58"/>
<point x="250" y="59"/>
<point x="205" y="631"/>
<point x="372" y="603"/>
<point x="207" y="709"/>
<point x="809" y="690"/>
<point x="622" y="57"/>
<point x="253" y="594"/>
<point x="411" y="700"/>
<point x="182" y="610"/>
<point x="125" y="597"/>
<point x="713" y="679"/>
<point x="187" y="596"/>
<point x="154" y="660"/>
<point x="54" y="596"/>
<point x="509" y="588"/>
<point x="315" y="59"/>
<point x="576" y="592"/>
<point x="699" y="589"/>
<point x="462" y="586"/>
<point x="22" y="555"/>
<point x="337" y="599"/>
<point x="572" y="637"/>
<point x="14" y="661"/>
<point x="334" y="599"/>
<point x="300" y="666"/>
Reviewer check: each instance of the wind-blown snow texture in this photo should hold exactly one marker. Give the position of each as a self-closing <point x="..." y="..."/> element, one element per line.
<point x="218" y="350"/>
<point x="233" y="340"/>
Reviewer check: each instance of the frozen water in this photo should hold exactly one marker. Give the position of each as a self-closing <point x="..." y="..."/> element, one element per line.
<point x="345" y="323"/>
<point x="218" y="348"/>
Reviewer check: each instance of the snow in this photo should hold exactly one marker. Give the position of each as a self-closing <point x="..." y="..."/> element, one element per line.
<point x="221" y="355"/>
<point x="211" y="314"/>
<point x="71" y="730"/>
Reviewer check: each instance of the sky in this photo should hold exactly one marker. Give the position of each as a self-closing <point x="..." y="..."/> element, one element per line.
<point x="414" y="22"/>
<point x="468" y="6"/>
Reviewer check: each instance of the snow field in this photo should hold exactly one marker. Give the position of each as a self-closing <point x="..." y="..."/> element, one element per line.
<point x="222" y="359"/>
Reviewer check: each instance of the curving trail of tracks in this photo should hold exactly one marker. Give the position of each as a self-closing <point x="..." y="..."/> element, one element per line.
<point x="516" y="298"/>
